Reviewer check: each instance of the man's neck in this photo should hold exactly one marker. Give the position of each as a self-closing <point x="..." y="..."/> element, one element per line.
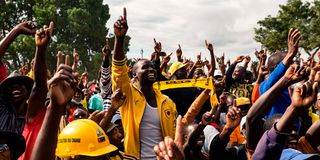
<point x="148" y="92"/>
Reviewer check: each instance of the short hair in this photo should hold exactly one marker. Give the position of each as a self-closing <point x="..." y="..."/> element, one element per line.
<point x="135" y="65"/>
<point x="275" y="59"/>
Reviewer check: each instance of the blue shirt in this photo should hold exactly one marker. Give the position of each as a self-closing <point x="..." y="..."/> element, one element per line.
<point x="284" y="100"/>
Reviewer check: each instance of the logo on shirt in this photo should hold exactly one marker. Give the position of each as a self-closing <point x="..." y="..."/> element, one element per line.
<point x="167" y="113"/>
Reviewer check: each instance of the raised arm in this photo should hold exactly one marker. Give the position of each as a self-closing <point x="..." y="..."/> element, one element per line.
<point x="117" y="100"/>
<point x="119" y="67"/>
<point x="293" y="45"/>
<point x="105" y="77"/>
<point x="179" y="53"/>
<point x="213" y="62"/>
<point x="230" y="70"/>
<point x="273" y="141"/>
<point x="246" y="62"/>
<point x="61" y="89"/>
<point x="294" y="37"/>
<point x="39" y="91"/>
<point x="218" y="145"/>
<point x="264" y="103"/>
<point x="120" y="30"/>
<point x="222" y="66"/>
<point x="27" y="28"/>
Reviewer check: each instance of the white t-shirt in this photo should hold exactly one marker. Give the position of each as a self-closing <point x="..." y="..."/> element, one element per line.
<point x="150" y="132"/>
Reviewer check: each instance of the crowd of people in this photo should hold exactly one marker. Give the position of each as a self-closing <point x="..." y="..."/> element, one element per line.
<point x="157" y="109"/>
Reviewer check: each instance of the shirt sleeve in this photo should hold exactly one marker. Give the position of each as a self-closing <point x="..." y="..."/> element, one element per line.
<point x="278" y="72"/>
<point x="270" y="145"/>
<point x="229" y="78"/>
<point x="120" y="72"/>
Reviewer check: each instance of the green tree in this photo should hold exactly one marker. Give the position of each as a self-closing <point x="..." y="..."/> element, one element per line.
<point x="79" y="24"/>
<point x="272" y="31"/>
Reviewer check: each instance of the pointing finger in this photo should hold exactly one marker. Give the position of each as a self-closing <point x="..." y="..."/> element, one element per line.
<point x="51" y="28"/>
<point x="125" y="14"/>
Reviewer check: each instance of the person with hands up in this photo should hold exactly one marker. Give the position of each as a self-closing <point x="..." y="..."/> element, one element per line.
<point x="278" y="64"/>
<point x="26" y="28"/>
<point x="255" y="125"/>
<point x="37" y="108"/>
<point x="148" y="115"/>
<point x="222" y="65"/>
<point x="61" y="90"/>
<point x="219" y="143"/>
<point x="303" y="97"/>
<point x="179" y="53"/>
<point x="105" y="80"/>
<point x="213" y="62"/>
<point x="235" y="80"/>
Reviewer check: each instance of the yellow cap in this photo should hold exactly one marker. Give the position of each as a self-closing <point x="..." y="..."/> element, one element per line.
<point x="243" y="101"/>
<point x="175" y="66"/>
<point x="83" y="137"/>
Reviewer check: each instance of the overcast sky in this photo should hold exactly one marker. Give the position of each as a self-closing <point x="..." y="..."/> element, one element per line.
<point x="228" y="24"/>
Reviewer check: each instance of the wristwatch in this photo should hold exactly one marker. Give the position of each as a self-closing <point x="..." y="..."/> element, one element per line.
<point x="3" y="147"/>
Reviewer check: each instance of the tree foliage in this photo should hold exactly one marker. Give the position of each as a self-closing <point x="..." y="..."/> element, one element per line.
<point x="79" y="24"/>
<point x="272" y="31"/>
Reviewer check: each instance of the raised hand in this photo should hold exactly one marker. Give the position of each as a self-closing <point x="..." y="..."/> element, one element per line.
<point x="75" y="56"/>
<point x="167" y="58"/>
<point x="296" y="73"/>
<point x="233" y="117"/>
<point x="207" y="117"/>
<point x="294" y="37"/>
<point x="263" y="71"/>
<point x="157" y="46"/>
<point x="209" y="46"/>
<point x="247" y="59"/>
<point x="179" y="51"/>
<point x="220" y="60"/>
<point x="62" y="84"/>
<point x="304" y="96"/>
<point x="117" y="97"/>
<point x="27" y="28"/>
<point x="206" y="62"/>
<point x="43" y="35"/>
<point x="199" y="57"/>
<point x="239" y="59"/>
<point x="170" y="149"/>
<point x="106" y="50"/>
<point x="97" y="116"/>
<point x="121" y="26"/>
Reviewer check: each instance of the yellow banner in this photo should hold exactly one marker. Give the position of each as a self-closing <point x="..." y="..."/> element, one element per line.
<point x="205" y="83"/>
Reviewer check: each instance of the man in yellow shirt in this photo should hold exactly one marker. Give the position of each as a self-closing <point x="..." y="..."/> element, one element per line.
<point x="147" y="115"/>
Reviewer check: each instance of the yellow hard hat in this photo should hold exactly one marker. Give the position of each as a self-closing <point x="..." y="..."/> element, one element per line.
<point x="83" y="137"/>
<point x="175" y="66"/>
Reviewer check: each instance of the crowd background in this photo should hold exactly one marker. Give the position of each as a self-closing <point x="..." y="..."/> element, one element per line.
<point x="155" y="108"/>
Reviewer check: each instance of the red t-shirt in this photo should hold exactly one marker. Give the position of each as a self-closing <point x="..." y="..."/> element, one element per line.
<point x="30" y="133"/>
<point x="3" y="72"/>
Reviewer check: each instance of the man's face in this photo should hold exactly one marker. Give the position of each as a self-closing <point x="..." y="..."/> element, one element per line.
<point x="145" y="72"/>
<point x="18" y="92"/>
<point x="116" y="137"/>
<point x="181" y="73"/>
<point x="78" y="96"/>
<point x="80" y="114"/>
<point x="238" y="72"/>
